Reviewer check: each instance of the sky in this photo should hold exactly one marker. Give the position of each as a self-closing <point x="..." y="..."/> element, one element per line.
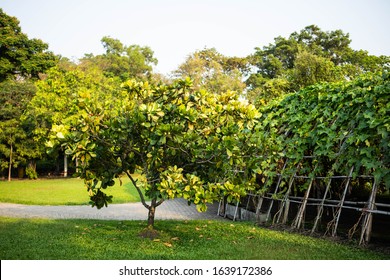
<point x="173" y="29"/>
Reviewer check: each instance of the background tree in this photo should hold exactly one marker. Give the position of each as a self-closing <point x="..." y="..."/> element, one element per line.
<point x="305" y="58"/>
<point x="22" y="60"/>
<point x="213" y="71"/>
<point x="186" y="143"/>
<point x="15" y="149"/>
<point x="310" y="69"/>
<point x="19" y="55"/>
<point x="122" y="61"/>
<point x="55" y="94"/>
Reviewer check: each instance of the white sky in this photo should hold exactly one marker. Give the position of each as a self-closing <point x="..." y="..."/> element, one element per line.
<point x="173" y="29"/>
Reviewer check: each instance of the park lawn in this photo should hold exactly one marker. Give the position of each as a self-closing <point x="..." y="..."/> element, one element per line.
<point x="62" y="191"/>
<point x="37" y="239"/>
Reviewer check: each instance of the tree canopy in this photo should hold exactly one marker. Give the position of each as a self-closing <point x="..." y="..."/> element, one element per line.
<point x="186" y="143"/>
<point x="122" y="61"/>
<point x="305" y="58"/>
<point x="19" y="55"/>
<point x="214" y="72"/>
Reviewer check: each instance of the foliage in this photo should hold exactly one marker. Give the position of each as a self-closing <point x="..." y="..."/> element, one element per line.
<point x="31" y="173"/>
<point x="53" y="100"/>
<point x="214" y="72"/>
<point x="187" y="143"/>
<point x="121" y="61"/>
<point x="19" y="55"/>
<point x="14" y="97"/>
<point x="21" y="60"/>
<point x="306" y="58"/>
<point x="310" y="69"/>
<point x="343" y="125"/>
<point x="15" y="146"/>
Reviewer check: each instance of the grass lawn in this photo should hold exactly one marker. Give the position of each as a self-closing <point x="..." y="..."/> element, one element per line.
<point x="64" y="191"/>
<point x="179" y="240"/>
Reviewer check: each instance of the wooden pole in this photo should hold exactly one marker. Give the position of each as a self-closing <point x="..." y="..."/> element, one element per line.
<point x="235" y="212"/>
<point x="276" y="191"/>
<point x="340" y="206"/>
<point x="65" y="165"/>
<point x="286" y="201"/>
<point x="321" y="207"/>
<point x="10" y="163"/>
<point x="367" y="222"/>
<point x="286" y="210"/>
<point x="298" y="221"/>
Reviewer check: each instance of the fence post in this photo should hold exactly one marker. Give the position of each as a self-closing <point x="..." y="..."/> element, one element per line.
<point x="367" y="222"/>
<point x="342" y="202"/>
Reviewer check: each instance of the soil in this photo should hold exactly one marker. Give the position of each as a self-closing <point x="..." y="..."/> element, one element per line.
<point x="149" y="233"/>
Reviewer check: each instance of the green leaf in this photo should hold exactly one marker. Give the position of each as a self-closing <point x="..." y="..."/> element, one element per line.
<point x="60" y="135"/>
<point x="229" y="153"/>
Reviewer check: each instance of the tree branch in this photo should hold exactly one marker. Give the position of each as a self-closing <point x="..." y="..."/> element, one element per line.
<point x="138" y="190"/>
<point x="160" y="202"/>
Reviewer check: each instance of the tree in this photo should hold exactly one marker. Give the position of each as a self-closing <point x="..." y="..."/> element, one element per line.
<point x="310" y="69"/>
<point x="21" y="60"/>
<point x="19" y="55"/>
<point x="186" y="143"/>
<point x="10" y="134"/>
<point x="332" y="44"/>
<point x="214" y="72"/>
<point x="53" y="100"/>
<point x="15" y="149"/>
<point x="122" y="61"/>
<point x="305" y="58"/>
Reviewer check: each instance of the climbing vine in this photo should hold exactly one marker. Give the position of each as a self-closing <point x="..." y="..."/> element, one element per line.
<point x="336" y="125"/>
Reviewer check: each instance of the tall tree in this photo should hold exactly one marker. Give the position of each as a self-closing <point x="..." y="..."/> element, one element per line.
<point x="15" y="149"/>
<point x="122" y="61"/>
<point x="213" y="71"/>
<point x="22" y="60"/>
<point x="305" y="58"/>
<point x="310" y="69"/>
<point x="19" y="55"/>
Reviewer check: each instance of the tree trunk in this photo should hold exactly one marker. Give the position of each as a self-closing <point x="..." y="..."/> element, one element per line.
<point x="10" y="164"/>
<point x="151" y="207"/>
<point x="367" y="222"/>
<point x="65" y="165"/>
<point x="152" y="211"/>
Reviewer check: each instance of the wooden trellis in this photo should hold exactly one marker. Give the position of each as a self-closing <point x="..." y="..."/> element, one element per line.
<point x="367" y="208"/>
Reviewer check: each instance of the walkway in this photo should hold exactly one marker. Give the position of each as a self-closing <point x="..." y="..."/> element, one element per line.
<point x="176" y="209"/>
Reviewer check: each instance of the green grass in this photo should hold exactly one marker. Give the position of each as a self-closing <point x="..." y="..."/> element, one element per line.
<point x="64" y="191"/>
<point x="179" y="240"/>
